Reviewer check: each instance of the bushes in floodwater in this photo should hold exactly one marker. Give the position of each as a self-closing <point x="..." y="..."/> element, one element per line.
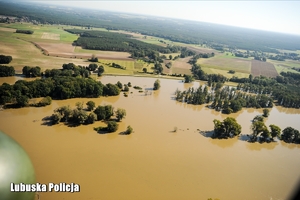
<point x="137" y="87"/>
<point x="112" y="126"/>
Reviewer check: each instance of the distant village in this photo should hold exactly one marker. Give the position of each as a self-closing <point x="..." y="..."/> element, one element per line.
<point x="10" y="19"/>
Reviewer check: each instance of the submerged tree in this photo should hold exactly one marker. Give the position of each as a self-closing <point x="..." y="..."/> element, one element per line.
<point x="290" y="135"/>
<point x="120" y="114"/>
<point x="275" y="131"/>
<point x="266" y="112"/>
<point x="228" y="128"/>
<point x="188" y="78"/>
<point x="112" y="126"/>
<point x="156" y="85"/>
<point x="129" y="130"/>
<point x="90" y="105"/>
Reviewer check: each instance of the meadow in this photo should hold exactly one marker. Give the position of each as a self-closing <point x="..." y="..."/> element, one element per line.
<point x="285" y="66"/>
<point x="223" y="62"/>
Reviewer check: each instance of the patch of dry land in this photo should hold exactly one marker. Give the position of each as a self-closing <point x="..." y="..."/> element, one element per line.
<point x="12" y="30"/>
<point x="51" y="36"/>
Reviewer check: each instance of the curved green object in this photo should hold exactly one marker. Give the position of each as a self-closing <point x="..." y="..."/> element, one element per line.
<point x="15" y="167"/>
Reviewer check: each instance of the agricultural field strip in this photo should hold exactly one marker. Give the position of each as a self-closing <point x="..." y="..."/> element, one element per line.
<point x="218" y="62"/>
<point x="263" y="68"/>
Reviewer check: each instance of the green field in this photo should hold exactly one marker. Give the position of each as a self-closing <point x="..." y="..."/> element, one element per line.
<point x="25" y="53"/>
<point x="111" y="70"/>
<point x="39" y="30"/>
<point x="210" y="70"/>
<point x="139" y="65"/>
<point x="226" y="63"/>
<point x="285" y="66"/>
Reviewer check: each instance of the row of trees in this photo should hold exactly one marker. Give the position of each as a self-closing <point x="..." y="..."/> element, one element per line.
<point x="31" y="71"/>
<point x="194" y="59"/>
<point x="227" y="100"/>
<point x="230" y="128"/>
<point x="5" y="59"/>
<point x="6" y="71"/>
<point x="24" y="31"/>
<point x="69" y="69"/>
<point x="57" y="87"/>
<point x="199" y="74"/>
<point x="284" y="89"/>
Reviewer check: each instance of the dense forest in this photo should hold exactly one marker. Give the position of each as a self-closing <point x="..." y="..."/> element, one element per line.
<point x="177" y="30"/>
<point x="109" y="41"/>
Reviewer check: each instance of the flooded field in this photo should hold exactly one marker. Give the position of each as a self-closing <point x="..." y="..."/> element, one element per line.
<point x="154" y="162"/>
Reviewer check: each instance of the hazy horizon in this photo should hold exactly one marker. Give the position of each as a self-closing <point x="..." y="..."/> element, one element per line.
<point x="274" y="16"/>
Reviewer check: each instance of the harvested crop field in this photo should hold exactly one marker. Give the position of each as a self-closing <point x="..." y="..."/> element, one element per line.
<point x="50" y="36"/>
<point x="69" y="51"/>
<point x="200" y="49"/>
<point x="181" y="66"/>
<point x="7" y="29"/>
<point x="263" y="68"/>
<point x="56" y="48"/>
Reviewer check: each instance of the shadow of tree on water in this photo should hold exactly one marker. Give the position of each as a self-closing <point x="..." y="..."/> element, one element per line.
<point x="207" y="134"/>
<point x="47" y="121"/>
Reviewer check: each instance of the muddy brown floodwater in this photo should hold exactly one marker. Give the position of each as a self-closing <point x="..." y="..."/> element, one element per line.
<point x="154" y="162"/>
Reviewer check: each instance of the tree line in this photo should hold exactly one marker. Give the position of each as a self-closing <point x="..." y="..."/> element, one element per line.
<point x="230" y="128"/>
<point x="24" y="31"/>
<point x="227" y="100"/>
<point x="61" y="84"/>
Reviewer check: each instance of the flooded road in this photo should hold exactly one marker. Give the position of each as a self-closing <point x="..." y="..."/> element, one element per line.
<point x="154" y="162"/>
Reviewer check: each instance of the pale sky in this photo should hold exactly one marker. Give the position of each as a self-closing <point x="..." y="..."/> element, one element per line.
<point x="278" y="16"/>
